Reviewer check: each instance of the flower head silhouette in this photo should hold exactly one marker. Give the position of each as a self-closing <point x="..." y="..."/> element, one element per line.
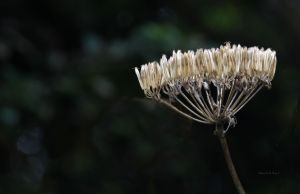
<point x="210" y="85"/>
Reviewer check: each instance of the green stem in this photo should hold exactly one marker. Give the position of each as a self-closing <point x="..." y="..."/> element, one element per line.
<point x="219" y="131"/>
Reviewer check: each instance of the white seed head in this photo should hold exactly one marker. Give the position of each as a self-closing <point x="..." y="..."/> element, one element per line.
<point x="211" y="85"/>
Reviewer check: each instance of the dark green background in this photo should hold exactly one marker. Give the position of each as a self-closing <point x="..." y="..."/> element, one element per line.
<point x="73" y="119"/>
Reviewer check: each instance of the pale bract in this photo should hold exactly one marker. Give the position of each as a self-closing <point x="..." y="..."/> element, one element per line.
<point x="208" y="85"/>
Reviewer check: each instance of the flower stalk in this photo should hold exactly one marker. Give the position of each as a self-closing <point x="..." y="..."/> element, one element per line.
<point x="219" y="132"/>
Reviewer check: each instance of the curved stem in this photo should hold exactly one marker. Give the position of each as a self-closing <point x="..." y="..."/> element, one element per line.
<point x="180" y="112"/>
<point x="219" y="131"/>
<point x="193" y="105"/>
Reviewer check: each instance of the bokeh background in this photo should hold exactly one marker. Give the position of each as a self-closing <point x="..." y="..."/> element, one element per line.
<point x="74" y="120"/>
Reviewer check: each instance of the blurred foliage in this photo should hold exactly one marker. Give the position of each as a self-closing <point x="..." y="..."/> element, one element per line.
<point x="74" y="120"/>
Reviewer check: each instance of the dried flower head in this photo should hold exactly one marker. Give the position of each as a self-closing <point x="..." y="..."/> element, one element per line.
<point x="209" y="85"/>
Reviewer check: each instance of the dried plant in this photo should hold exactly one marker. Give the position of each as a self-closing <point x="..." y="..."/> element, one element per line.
<point x="210" y="85"/>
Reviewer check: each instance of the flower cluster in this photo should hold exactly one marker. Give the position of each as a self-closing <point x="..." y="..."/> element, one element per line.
<point x="190" y="78"/>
